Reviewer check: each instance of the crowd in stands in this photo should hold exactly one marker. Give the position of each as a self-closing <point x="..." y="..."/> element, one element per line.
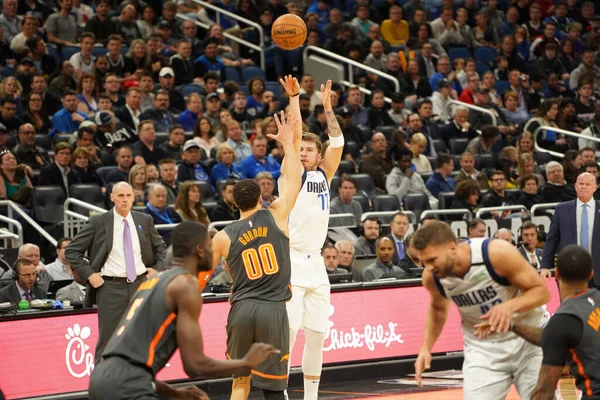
<point x="103" y="91"/>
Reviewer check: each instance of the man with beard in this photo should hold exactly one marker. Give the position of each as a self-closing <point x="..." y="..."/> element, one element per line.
<point x="68" y="119"/>
<point x="25" y="71"/>
<point x="365" y="244"/>
<point x="160" y="115"/>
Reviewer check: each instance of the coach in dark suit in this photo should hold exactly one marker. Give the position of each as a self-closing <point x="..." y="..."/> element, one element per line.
<point x="59" y="173"/>
<point x="23" y="287"/>
<point x="399" y="226"/>
<point x="123" y="246"/>
<point x="575" y="222"/>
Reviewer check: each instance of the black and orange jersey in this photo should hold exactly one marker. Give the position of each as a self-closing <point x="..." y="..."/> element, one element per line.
<point x="573" y="334"/>
<point x="146" y="333"/>
<point x="259" y="259"/>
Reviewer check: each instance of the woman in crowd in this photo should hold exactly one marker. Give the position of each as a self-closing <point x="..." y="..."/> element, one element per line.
<point x="548" y="114"/>
<point x="254" y="102"/>
<point x="36" y="115"/>
<point x="15" y="183"/>
<point x="527" y="167"/>
<point x="189" y="204"/>
<point x="483" y="143"/>
<point x="11" y="87"/>
<point x="572" y="164"/>
<point x="225" y="168"/>
<point x="137" y="60"/>
<point x="221" y="129"/>
<point x="81" y="164"/>
<point x="529" y="191"/>
<point x="568" y="57"/>
<point x="88" y="92"/>
<point x="466" y="196"/>
<point x="138" y="179"/>
<point x="514" y="114"/>
<point x="205" y="136"/>
<point x="146" y="24"/>
<point x="418" y="144"/>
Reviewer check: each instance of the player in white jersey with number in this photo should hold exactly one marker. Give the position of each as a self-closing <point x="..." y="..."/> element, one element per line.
<point x="492" y="285"/>
<point x="309" y="307"/>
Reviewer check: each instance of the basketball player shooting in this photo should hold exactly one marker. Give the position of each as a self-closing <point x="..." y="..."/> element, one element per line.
<point x="163" y="316"/>
<point x="308" y="224"/>
<point x="257" y="249"/>
<point x="492" y="285"/>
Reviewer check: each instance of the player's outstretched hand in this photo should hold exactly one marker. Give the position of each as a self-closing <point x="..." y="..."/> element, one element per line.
<point x="326" y="95"/>
<point x="482" y="330"/>
<point x="290" y="84"/>
<point x="258" y="353"/>
<point x="423" y="363"/>
<point x="499" y="318"/>
<point x="545" y="273"/>
<point x="190" y="393"/>
<point x="285" y="128"/>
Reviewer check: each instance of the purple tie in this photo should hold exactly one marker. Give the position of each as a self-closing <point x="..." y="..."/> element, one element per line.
<point x="27" y="295"/>
<point x="128" y="247"/>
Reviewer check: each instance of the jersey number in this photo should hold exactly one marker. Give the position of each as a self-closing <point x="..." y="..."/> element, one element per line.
<point x="130" y="313"/>
<point x="324" y="201"/>
<point x="260" y="262"/>
<point x="485" y="308"/>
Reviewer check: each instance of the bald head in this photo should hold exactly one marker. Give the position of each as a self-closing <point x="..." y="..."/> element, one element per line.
<point x="157" y="196"/>
<point x="31" y="252"/>
<point x="122" y="197"/>
<point x="585" y="187"/>
<point x="378" y="142"/>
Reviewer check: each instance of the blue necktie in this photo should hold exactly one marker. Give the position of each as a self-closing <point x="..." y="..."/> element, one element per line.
<point x="401" y="253"/>
<point x="584" y="228"/>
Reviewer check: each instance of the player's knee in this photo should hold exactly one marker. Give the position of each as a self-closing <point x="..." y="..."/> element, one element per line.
<point x="273" y="395"/>
<point x="314" y="339"/>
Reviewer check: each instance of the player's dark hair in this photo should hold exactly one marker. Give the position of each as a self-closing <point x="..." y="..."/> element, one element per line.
<point x="246" y="194"/>
<point x="186" y="236"/>
<point x="433" y="234"/>
<point x="574" y="264"/>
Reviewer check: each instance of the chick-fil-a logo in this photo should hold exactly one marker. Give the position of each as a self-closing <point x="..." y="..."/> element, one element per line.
<point x="370" y="336"/>
<point x="79" y="360"/>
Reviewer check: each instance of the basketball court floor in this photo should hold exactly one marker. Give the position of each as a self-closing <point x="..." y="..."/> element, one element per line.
<point x="446" y="385"/>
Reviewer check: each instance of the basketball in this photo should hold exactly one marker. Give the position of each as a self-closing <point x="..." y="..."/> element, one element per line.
<point x="289" y="32"/>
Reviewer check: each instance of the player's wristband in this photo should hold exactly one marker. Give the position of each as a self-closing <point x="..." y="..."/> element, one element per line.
<point x="336" y="141"/>
<point x="294" y="95"/>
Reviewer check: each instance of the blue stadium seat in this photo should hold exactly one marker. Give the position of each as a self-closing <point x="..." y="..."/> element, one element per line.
<point x="232" y="74"/>
<point x="485" y="55"/>
<point x="186" y="90"/>
<point x="68" y="51"/>
<point x="103" y="171"/>
<point x="482" y="68"/>
<point x="99" y="51"/>
<point x="502" y="87"/>
<point x="459" y="52"/>
<point x="274" y="87"/>
<point x="250" y="72"/>
<point x="244" y="88"/>
<point x="54" y="53"/>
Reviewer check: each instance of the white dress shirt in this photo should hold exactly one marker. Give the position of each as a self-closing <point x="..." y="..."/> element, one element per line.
<point x="591" y="211"/>
<point x="58" y="271"/>
<point x="115" y="263"/>
<point x="135" y="116"/>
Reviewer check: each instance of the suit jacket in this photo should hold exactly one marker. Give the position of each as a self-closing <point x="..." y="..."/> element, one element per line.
<point x="51" y="175"/>
<point x="125" y="117"/>
<point x="395" y="259"/>
<point x="71" y="293"/>
<point x="563" y="232"/>
<point x="10" y="294"/>
<point x="96" y="238"/>
<point x="538" y="252"/>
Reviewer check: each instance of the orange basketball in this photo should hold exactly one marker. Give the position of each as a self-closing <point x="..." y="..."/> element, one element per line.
<point x="289" y="32"/>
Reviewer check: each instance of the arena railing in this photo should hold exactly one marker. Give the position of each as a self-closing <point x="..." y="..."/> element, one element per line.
<point x="14" y="208"/>
<point x="7" y="234"/>
<point x="461" y="211"/>
<point x="562" y="132"/>
<point x="351" y="64"/>
<point x="455" y="103"/>
<point x="342" y="220"/>
<point x="542" y="206"/>
<point x="515" y="207"/>
<point x="219" y="12"/>
<point x="386" y="216"/>
<point x="74" y="221"/>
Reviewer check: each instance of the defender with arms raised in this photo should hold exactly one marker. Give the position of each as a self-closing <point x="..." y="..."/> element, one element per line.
<point x="256" y="249"/>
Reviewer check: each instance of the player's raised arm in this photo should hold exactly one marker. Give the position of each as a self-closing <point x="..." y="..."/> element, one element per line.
<point x="183" y="293"/>
<point x="333" y="154"/>
<point x="510" y="264"/>
<point x="220" y="245"/>
<point x="291" y="168"/>
<point x="292" y="88"/>
<point x="437" y="313"/>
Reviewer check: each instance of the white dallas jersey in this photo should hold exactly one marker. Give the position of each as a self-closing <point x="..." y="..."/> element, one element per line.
<point x="309" y="219"/>
<point x="481" y="289"/>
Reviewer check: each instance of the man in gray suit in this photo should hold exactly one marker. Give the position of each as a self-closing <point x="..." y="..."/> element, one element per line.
<point x="123" y="246"/>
